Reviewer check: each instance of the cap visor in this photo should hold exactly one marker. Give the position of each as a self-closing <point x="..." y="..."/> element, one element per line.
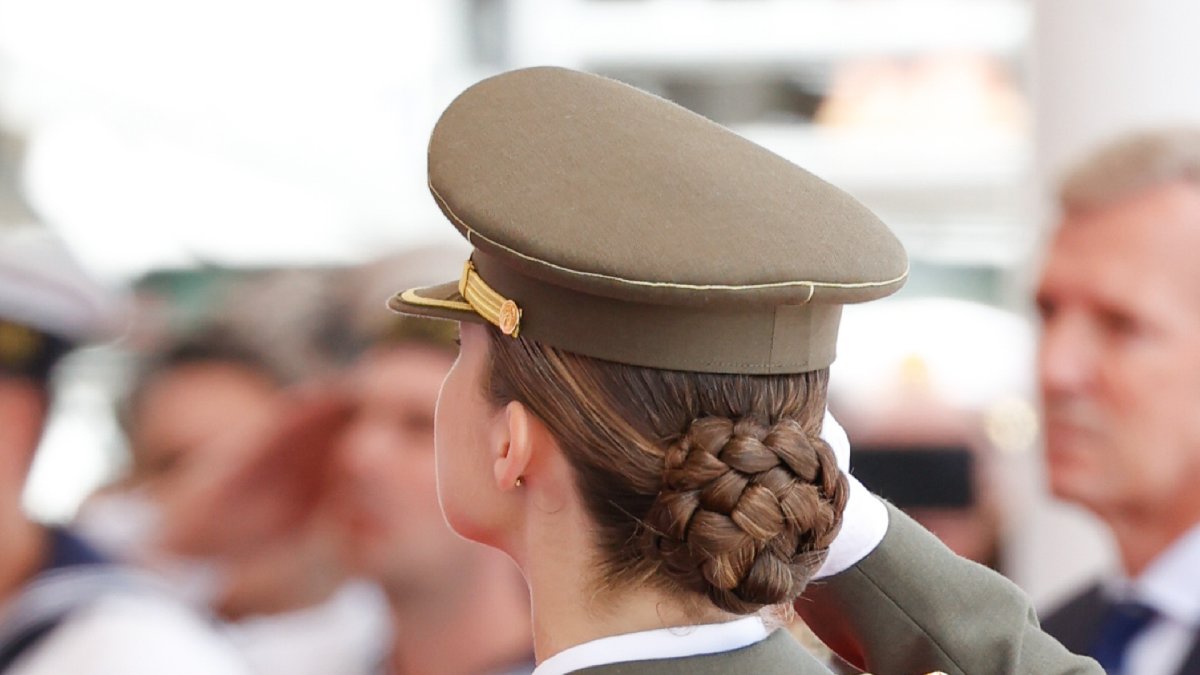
<point x="436" y="302"/>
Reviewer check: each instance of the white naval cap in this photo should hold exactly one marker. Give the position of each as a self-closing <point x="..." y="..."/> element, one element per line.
<point x="43" y="288"/>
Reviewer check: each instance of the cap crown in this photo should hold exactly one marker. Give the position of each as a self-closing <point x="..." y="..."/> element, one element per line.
<point x="611" y="223"/>
<point x="591" y="184"/>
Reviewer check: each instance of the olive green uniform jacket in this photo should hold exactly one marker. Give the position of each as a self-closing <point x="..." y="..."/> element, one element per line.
<point x="911" y="606"/>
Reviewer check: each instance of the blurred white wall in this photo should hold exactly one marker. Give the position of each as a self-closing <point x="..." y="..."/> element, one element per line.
<point x="1106" y="67"/>
<point x="240" y="132"/>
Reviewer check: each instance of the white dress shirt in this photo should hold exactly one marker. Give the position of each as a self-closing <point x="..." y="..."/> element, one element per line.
<point x="662" y="643"/>
<point x="1171" y="585"/>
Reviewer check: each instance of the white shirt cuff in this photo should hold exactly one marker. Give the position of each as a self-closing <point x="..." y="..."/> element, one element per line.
<point x="865" y="519"/>
<point x="864" y="522"/>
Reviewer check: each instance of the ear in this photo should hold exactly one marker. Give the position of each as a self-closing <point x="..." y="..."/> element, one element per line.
<point x="513" y="457"/>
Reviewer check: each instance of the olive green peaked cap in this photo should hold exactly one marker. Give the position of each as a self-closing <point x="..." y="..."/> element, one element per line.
<point x="611" y="223"/>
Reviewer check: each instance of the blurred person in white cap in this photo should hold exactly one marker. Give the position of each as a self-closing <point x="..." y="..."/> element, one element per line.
<point x="63" y="607"/>
<point x="1119" y="372"/>
<point x="458" y="608"/>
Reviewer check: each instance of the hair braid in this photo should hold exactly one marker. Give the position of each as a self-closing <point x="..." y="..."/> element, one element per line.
<point x="747" y="510"/>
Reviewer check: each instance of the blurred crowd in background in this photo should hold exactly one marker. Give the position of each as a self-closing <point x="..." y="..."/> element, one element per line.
<point x="234" y="189"/>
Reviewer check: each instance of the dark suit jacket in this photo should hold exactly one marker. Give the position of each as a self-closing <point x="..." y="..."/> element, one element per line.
<point x="1077" y="621"/>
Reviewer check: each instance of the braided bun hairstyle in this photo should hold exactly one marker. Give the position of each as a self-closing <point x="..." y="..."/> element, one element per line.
<point x="713" y="485"/>
<point x="746" y="510"/>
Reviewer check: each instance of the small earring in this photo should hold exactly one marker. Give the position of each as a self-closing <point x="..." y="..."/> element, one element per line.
<point x="519" y="482"/>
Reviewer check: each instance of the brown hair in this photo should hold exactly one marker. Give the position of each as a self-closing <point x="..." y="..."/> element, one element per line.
<point x="715" y="484"/>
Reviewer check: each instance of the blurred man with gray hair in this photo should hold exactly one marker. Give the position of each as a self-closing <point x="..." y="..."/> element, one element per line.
<point x="1119" y="371"/>
<point x="63" y="607"/>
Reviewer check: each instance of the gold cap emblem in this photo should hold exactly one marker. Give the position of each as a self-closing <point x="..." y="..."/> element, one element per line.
<point x="510" y="318"/>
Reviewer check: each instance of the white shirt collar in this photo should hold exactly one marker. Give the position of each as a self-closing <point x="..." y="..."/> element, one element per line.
<point x="662" y="643"/>
<point x="1171" y="584"/>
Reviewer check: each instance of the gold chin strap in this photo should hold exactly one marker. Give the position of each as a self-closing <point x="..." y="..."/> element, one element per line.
<point x="497" y="309"/>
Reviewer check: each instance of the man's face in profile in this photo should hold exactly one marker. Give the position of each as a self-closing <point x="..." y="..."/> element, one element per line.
<point x="190" y="411"/>
<point x="388" y="487"/>
<point x="1119" y="359"/>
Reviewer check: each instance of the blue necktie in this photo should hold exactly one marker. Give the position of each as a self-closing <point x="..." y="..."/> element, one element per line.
<point x="1122" y="623"/>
